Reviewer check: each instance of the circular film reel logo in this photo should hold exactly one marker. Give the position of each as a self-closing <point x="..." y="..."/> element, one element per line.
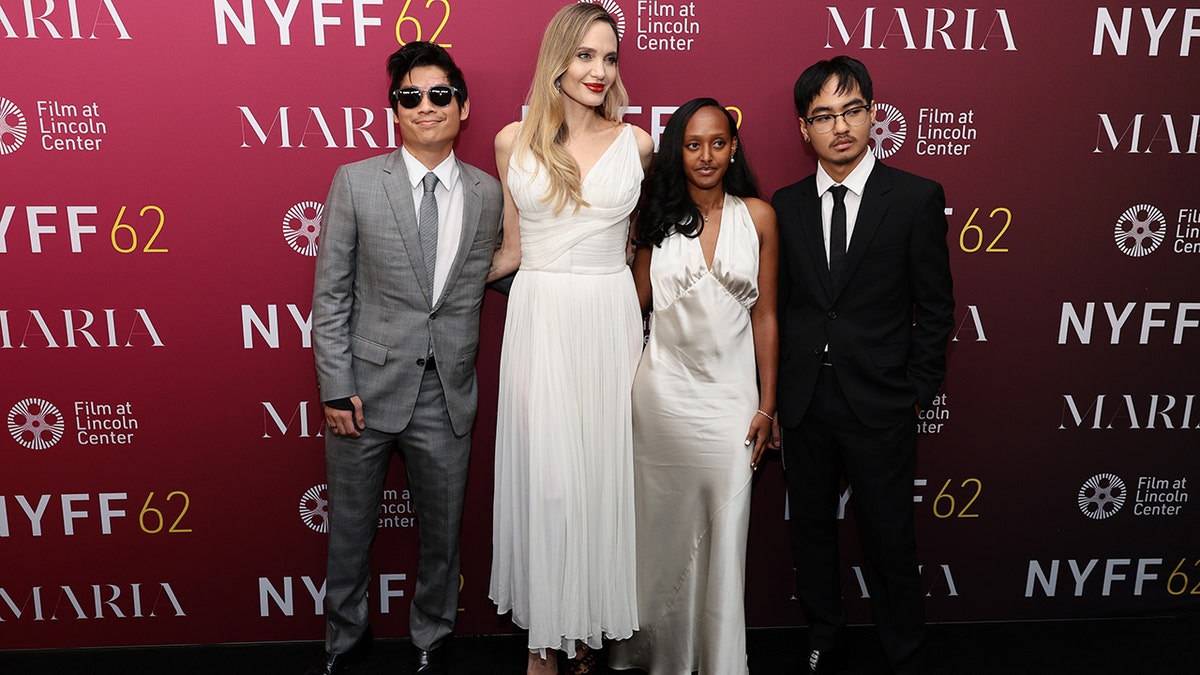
<point x="35" y="424"/>
<point x="314" y="508"/>
<point x="1102" y="496"/>
<point x="888" y="132"/>
<point x="1140" y="230"/>
<point x="302" y="227"/>
<point x="13" y="127"/>
<point x="614" y="10"/>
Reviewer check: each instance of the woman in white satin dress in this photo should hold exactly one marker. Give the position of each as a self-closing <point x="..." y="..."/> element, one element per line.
<point x="563" y="523"/>
<point x="703" y="396"/>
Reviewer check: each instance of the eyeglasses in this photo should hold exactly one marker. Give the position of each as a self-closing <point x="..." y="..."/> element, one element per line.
<point x="855" y="117"/>
<point x="440" y="95"/>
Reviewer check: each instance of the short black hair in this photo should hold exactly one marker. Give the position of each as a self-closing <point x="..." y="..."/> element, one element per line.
<point x="418" y="54"/>
<point x="848" y="71"/>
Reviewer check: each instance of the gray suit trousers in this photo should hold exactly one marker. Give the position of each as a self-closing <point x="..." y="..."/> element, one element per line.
<point x="436" y="463"/>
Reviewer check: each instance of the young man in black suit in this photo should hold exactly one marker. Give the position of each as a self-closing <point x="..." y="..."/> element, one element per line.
<point x="866" y="307"/>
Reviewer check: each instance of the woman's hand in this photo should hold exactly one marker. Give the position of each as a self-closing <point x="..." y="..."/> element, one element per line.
<point x="758" y="438"/>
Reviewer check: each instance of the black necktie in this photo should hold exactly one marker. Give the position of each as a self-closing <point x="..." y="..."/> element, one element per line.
<point x="837" y="231"/>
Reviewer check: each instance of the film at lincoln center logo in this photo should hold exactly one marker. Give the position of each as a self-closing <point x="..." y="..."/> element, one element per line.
<point x="888" y="132"/>
<point x="314" y="508"/>
<point x="614" y="10"/>
<point x="35" y="424"/>
<point x="1140" y="230"/>
<point x="13" y="127"/>
<point x="1101" y="496"/>
<point x="302" y="227"/>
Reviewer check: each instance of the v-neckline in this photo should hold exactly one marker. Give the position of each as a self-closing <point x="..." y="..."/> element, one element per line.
<point x="716" y="244"/>
<point x="611" y="144"/>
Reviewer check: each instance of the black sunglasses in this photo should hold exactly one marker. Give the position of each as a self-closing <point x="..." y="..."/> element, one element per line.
<point x="440" y="95"/>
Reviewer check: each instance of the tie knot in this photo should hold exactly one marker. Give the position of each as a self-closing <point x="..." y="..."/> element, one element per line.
<point x="839" y="193"/>
<point x="431" y="180"/>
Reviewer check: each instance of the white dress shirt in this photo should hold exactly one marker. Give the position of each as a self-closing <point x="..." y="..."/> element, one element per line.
<point x="449" y="195"/>
<point x="855" y="183"/>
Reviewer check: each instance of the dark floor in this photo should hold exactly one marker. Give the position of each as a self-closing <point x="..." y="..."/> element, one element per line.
<point x="1159" y="646"/>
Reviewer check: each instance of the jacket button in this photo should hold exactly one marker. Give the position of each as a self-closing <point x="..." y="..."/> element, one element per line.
<point x="433" y="316"/>
<point x="817" y="351"/>
<point x="832" y="314"/>
<point x="421" y="362"/>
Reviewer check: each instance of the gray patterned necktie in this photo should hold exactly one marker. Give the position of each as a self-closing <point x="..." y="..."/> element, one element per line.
<point x="427" y="226"/>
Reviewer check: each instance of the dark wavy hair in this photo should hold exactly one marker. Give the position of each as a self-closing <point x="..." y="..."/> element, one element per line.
<point x="667" y="208"/>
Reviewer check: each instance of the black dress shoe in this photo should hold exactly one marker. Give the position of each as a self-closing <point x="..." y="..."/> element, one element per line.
<point x="431" y="661"/>
<point x="334" y="664"/>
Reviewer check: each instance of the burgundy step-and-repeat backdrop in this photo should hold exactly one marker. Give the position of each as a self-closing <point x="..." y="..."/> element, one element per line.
<point x="162" y="172"/>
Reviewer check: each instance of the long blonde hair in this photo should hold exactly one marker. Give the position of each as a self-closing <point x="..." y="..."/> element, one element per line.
<point x="545" y="129"/>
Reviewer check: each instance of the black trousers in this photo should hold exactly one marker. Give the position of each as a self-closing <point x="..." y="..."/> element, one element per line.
<point x="879" y="465"/>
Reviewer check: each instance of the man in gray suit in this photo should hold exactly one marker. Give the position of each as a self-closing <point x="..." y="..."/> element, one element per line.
<point x="405" y="246"/>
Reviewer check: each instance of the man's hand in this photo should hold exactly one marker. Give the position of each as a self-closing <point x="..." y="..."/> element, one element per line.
<point x="345" y="422"/>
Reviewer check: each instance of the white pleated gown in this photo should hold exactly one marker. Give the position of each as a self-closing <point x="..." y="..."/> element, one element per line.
<point x="694" y="397"/>
<point x="563" y="522"/>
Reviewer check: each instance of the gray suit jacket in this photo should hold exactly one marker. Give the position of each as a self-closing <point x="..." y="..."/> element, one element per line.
<point x="372" y="315"/>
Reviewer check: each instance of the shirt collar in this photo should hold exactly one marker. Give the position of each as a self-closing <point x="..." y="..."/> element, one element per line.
<point x="856" y="181"/>
<point x="447" y="171"/>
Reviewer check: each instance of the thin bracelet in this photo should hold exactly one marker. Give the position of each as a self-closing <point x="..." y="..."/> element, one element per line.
<point x="765" y="415"/>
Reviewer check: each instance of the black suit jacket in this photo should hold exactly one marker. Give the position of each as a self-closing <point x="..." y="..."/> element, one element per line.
<point x="887" y="320"/>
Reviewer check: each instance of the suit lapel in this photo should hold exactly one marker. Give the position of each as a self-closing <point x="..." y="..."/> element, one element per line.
<point x="814" y="236"/>
<point x="399" y="193"/>
<point x="472" y="208"/>
<point x="871" y="210"/>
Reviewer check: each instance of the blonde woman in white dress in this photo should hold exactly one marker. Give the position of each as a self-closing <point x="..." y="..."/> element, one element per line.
<point x="563" y="522"/>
